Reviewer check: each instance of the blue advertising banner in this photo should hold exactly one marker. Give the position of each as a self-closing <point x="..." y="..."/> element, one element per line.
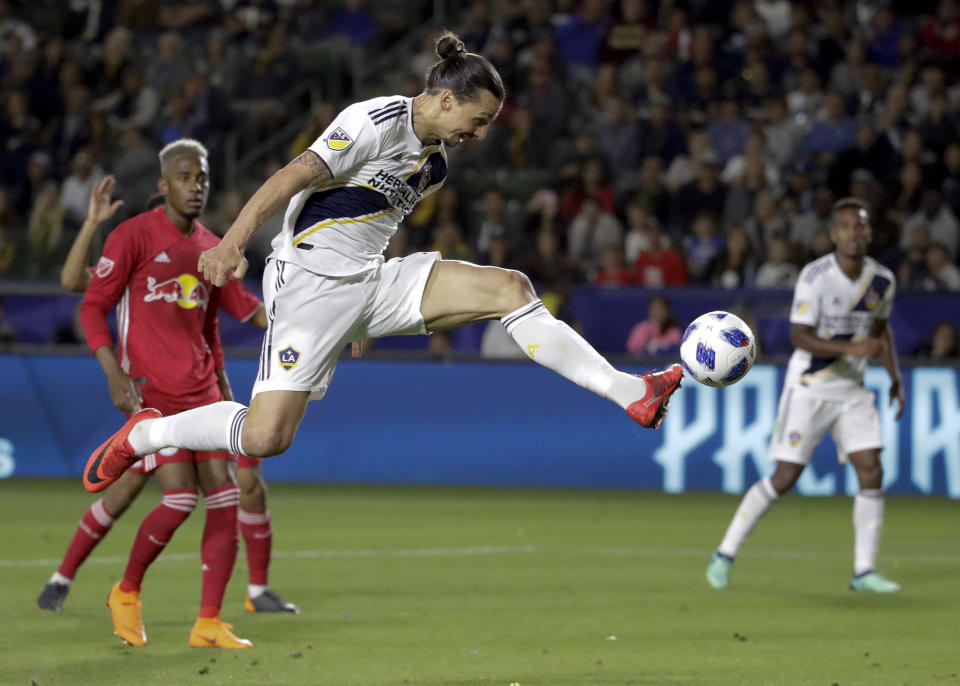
<point x="492" y="423"/>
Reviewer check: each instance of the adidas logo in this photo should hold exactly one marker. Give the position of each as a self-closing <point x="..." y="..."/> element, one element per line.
<point x="162" y="257"/>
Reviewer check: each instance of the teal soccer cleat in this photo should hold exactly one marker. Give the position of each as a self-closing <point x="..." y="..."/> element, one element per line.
<point x="873" y="582"/>
<point x="718" y="571"/>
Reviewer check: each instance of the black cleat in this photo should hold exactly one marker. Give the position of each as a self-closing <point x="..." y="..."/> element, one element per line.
<point x="52" y="596"/>
<point x="269" y="601"/>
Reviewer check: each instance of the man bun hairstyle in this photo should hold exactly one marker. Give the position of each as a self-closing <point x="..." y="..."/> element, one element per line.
<point x="464" y="73"/>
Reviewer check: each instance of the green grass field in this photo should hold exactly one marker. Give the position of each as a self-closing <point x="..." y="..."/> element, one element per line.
<point x="477" y="587"/>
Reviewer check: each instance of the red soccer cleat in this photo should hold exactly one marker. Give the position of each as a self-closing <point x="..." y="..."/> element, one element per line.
<point x="650" y="409"/>
<point x="113" y="457"/>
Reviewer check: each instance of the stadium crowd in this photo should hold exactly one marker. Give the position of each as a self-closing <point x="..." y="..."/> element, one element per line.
<point x="642" y="143"/>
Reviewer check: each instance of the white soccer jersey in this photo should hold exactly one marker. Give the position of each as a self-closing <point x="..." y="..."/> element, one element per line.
<point x="380" y="170"/>
<point x="839" y="309"/>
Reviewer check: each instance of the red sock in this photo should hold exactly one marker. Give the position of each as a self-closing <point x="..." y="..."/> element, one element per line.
<point x="155" y="532"/>
<point x="219" y="550"/>
<point x="258" y="537"/>
<point x="93" y="526"/>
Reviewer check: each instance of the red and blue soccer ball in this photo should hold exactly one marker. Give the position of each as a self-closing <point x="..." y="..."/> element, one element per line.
<point x="718" y="349"/>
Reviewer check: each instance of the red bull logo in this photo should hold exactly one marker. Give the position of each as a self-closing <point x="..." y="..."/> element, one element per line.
<point x="186" y="290"/>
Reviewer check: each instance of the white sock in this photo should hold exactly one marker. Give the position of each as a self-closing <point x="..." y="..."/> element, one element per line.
<point x="867" y="526"/>
<point x="253" y="590"/>
<point x="754" y="505"/>
<point x="211" y="427"/>
<point x="556" y="346"/>
<point x="58" y="578"/>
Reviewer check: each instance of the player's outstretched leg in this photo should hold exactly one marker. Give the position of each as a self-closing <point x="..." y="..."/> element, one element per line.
<point x="649" y="410"/>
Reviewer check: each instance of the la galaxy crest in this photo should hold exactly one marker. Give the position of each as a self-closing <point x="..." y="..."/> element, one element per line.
<point x="339" y="140"/>
<point x="289" y="357"/>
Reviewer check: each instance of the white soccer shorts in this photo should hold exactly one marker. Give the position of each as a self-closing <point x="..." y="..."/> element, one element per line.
<point x="804" y="417"/>
<point x="311" y="318"/>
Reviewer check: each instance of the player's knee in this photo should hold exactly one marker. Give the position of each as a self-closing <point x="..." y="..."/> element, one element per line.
<point x="514" y="291"/>
<point x="251" y="485"/>
<point x="871" y="475"/>
<point x="265" y="441"/>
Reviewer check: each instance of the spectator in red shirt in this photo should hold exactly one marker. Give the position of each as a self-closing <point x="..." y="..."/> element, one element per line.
<point x="613" y="271"/>
<point x="658" y="264"/>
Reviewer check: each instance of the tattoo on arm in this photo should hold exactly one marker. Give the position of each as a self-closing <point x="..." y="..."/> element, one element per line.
<point x="319" y="171"/>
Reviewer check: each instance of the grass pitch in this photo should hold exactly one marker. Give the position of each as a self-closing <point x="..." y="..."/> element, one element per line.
<point x="478" y="587"/>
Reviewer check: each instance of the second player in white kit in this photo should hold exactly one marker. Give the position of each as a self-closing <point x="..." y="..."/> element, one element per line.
<point x="839" y="320"/>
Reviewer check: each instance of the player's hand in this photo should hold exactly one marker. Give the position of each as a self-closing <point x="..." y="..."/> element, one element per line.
<point x="99" y="208"/>
<point x="124" y="393"/>
<point x="869" y="347"/>
<point x="897" y="395"/>
<point x="222" y="262"/>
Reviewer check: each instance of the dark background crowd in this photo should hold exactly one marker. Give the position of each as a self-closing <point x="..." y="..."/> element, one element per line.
<point x="642" y="143"/>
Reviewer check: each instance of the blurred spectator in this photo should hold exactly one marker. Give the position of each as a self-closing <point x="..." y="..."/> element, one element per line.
<point x="625" y="36"/>
<point x="37" y="176"/>
<point x="543" y="213"/>
<point x="547" y="99"/>
<point x="356" y="24"/>
<point x="742" y="194"/>
<point x="702" y="246"/>
<point x="8" y="248"/>
<point x="659" y="135"/>
<point x="616" y="133"/>
<point x="766" y="223"/>
<point x="728" y="131"/>
<point x="658" y="264"/>
<point x="942" y="343"/>
<point x="734" y="265"/>
<point x="938" y="129"/>
<point x="658" y="333"/>
<point x="912" y="270"/>
<point x="846" y="77"/>
<point x="648" y="187"/>
<point x="705" y="194"/>
<point x="75" y="193"/>
<point x="449" y="242"/>
<point x="44" y="230"/>
<point x="322" y="114"/>
<point x="804" y="226"/>
<point x="635" y="239"/>
<point x="941" y="32"/>
<point x="756" y="152"/>
<point x="272" y="71"/>
<point x="938" y="219"/>
<point x="20" y="132"/>
<point x="593" y="182"/>
<point x="777" y="271"/>
<point x="12" y="28"/>
<point x="107" y="73"/>
<point x="579" y="39"/>
<point x="683" y="167"/>
<point x="805" y="100"/>
<point x="590" y="232"/>
<point x="548" y="266"/>
<point x="943" y="274"/>
<point x="775" y="15"/>
<point x="499" y="252"/>
<point x="951" y="181"/>
<point x="613" y="270"/>
<point x="135" y="167"/>
<point x="491" y="221"/>
<point x="8" y="334"/>
<point x="782" y="133"/>
<point x="133" y="104"/>
<point x="867" y="152"/>
<point x="171" y="66"/>
<point x="831" y="133"/>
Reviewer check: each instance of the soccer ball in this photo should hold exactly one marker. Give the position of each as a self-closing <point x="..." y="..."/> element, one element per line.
<point x="717" y="349"/>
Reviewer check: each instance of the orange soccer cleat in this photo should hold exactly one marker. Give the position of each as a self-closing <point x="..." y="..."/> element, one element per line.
<point x="127" y="621"/>
<point x="650" y="409"/>
<point x="112" y="458"/>
<point x="213" y="632"/>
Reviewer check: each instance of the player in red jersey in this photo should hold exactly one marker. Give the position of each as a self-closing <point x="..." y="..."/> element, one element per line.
<point x="254" y="516"/>
<point x="168" y="353"/>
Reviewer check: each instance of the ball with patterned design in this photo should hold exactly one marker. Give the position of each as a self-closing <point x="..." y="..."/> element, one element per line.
<point x="718" y="349"/>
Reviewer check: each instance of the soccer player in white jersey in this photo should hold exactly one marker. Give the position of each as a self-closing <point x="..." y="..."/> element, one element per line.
<point x="838" y="321"/>
<point x="326" y="282"/>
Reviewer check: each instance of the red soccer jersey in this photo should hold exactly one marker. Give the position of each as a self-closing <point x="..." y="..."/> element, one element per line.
<point x="236" y="299"/>
<point x="167" y="330"/>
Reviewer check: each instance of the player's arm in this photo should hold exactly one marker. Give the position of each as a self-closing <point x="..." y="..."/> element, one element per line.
<point x="74" y="275"/>
<point x="110" y="279"/>
<point x="218" y="263"/>
<point x="805" y="337"/>
<point x="891" y="362"/>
